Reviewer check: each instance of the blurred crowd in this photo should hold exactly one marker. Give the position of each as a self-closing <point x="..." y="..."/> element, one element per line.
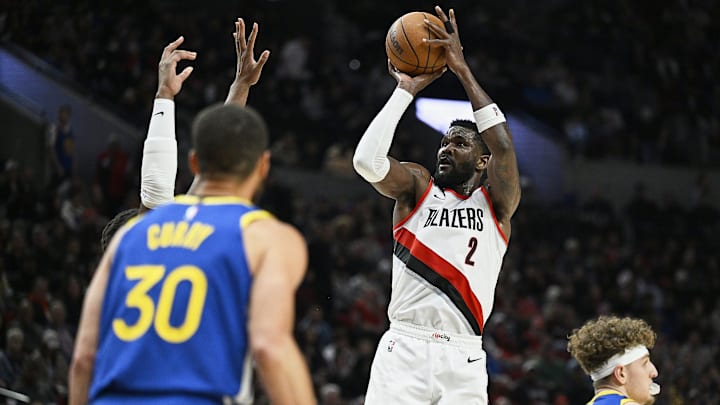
<point x="619" y="78"/>
<point x="625" y="79"/>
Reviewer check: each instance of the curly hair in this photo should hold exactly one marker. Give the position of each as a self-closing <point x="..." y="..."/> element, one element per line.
<point x="595" y="342"/>
<point x="116" y="223"/>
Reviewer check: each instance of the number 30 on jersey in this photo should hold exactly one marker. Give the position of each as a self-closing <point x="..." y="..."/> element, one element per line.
<point x="159" y="315"/>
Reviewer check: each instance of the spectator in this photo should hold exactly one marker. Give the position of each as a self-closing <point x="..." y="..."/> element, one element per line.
<point x="12" y="358"/>
<point x="62" y="144"/>
<point x="113" y="166"/>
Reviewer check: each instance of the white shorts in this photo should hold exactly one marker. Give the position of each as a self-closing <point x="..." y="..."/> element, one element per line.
<point x="416" y="365"/>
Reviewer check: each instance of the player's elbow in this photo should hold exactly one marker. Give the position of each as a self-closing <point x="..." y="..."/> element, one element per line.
<point x="82" y="363"/>
<point x="370" y="170"/>
<point x="269" y="348"/>
<point x="359" y="164"/>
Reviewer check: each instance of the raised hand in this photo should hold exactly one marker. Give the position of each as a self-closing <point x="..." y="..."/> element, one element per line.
<point x="248" y="69"/>
<point x="413" y="84"/>
<point x="169" y="81"/>
<point x="448" y="37"/>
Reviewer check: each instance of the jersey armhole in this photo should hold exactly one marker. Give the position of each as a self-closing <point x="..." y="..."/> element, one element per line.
<point x="492" y="212"/>
<point x="417" y="206"/>
<point x="252" y="216"/>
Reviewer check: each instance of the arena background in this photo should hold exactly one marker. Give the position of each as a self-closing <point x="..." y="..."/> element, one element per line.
<point x="615" y="107"/>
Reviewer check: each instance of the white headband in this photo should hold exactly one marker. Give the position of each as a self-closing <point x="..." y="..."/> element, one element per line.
<point x="620" y="359"/>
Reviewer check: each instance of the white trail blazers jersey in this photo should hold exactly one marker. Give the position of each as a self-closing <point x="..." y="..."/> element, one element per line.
<point x="447" y="258"/>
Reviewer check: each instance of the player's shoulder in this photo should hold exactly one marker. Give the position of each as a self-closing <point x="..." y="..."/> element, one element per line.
<point x="265" y="226"/>
<point x="417" y="170"/>
<point x="422" y="178"/>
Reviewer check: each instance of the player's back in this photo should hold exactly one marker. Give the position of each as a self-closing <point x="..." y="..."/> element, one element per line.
<point x="610" y="397"/>
<point x="173" y="327"/>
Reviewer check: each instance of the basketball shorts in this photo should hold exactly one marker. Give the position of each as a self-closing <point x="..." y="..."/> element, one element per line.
<point x="416" y="365"/>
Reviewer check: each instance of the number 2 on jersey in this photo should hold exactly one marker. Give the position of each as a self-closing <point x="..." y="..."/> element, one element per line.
<point x="139" y="299"/>
<point x="472" y="244"/>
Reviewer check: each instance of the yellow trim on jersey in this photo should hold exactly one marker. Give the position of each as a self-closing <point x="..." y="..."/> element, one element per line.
<point x="610" y="392"/>
<point x="211" y="200"/>
<point x="253" y="216"/>
<point x="132" y="221"/>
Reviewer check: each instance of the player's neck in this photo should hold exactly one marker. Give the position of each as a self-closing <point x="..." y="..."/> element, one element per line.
<point x="206" y="187"/>
<point x="612" y="387"/>
<point x="468" y="187"/>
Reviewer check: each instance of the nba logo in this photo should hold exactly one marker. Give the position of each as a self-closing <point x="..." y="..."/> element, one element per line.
<point x="391" y="345"/>
<point x="191" y="212"/>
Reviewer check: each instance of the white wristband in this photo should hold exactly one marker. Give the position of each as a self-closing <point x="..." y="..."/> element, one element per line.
<point x="488" y="116"/>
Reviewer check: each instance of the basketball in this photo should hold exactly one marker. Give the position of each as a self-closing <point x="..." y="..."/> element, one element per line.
<point x="405" y="47"/>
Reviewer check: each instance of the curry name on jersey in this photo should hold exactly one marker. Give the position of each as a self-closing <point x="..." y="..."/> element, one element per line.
<point x="174" y="316"/>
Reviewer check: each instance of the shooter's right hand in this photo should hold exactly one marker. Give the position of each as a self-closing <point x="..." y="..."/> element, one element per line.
<point x="413" y="84"/>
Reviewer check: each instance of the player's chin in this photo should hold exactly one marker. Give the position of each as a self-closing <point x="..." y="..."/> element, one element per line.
<point x="647" y="400"/>
<point x="443" y="170"/>
<point x="440" y="177"/>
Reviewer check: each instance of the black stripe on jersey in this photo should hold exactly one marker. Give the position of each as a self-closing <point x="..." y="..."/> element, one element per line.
<point x="427" y="273"/>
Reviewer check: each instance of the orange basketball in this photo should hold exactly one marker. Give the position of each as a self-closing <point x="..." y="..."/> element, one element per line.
<point x="405" y="48"/>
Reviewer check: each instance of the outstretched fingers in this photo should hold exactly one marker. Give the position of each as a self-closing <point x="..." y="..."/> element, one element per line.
<point x="437" y="30"/>
<point x="453" y="21"/>
<point x="169" y="82"/>
<point x="173" y="55"/>
<point x="239" y="35"/>
<point x="251" y="40"/>
<point x="181" y="54"/>
<point x="450" y="22"/>
<point x="263" y="58"/>
<point x="172" y="46"/>
<point x="185" y="73"/>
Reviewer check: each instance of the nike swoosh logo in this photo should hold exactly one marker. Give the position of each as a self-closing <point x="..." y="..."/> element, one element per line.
<point x="160" y="113"/>
<point x="439" y="197"/>
<point x="473" y="360"/>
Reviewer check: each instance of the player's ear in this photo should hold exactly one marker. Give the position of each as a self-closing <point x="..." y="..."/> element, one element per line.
<point x="482" y="162"/>
<point x="620" y="374"/>
<point x="264" y="164"/>
<point x="193" y="162"/>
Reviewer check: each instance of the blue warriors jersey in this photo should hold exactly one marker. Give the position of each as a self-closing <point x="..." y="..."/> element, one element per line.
<point x="609" y="397"/>
<point x="173" y="326"/>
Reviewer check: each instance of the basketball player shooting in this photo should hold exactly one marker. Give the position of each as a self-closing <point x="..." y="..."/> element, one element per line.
<point x="451" y="233"/>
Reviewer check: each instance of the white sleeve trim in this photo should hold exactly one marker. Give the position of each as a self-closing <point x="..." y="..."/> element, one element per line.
<point x="370" y="159"/>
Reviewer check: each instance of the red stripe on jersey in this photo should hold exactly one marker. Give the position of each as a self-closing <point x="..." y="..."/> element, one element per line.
<point x="443" y="268"/>
<point x="417" y="205"/>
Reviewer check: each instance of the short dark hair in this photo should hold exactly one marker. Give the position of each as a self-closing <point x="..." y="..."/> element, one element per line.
<point x="116" y="223"/>
<point x="228" y="139"/>
<point x="473" y="127"/>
